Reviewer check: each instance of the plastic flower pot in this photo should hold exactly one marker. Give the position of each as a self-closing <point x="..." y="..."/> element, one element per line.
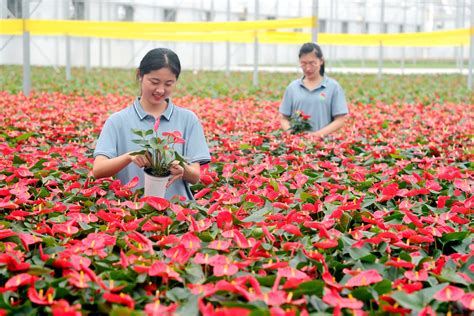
<point x="155" y="186"/>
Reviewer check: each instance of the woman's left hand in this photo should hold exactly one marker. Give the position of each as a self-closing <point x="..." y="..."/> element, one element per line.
<point x="177" y="172"/>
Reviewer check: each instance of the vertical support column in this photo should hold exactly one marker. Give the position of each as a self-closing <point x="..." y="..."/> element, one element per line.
<point x="382" y="18"/>
<point x="100" y="39"/>
<point x="26" y="49"/>
<point x="227" y="45"/>
<point x="87" y="40"/>
<point x="255" y="49"/>
<point x="314" y="29"/>
<point x="211" y="57"/>
<point x="404" y="7"/>
<point x="471" y="50"/>
<point x="68" y="43"/>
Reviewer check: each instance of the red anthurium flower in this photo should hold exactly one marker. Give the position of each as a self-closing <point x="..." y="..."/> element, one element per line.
<point x="465" y="185"/>
<point x="121" y="298"/>
<point x="202" y="193"/>
<point x="201" y="225"/>
<point x="143" y="244"/>
<point x="238" y="237"/>
<point x="201" y="258"/>
<point x="427" y="311"/>
<point x="400" y="263"/>
<point x="78" y="262"/>
<point x="468" y="301"/>
<point x="178" y="254"/>
<point x="133" y="205"/>
<point x="41" y="298"/>
<point x="329" y="243"/>
<point x="62" y="308"/>
<point x="12" y="263"/>
<point x="190" y="241"/>
<point x="225" y="269"/>
<point x="421" y="275"/>
<point x="449" y="294"/>
<point x="157" y="309"/>
<point x="332" y="297"/>
<point x="224" y="220"/>
<point x="292" y="273"/>
<point x="176" y="135"/>
<point x="20" y="280"/>
<point x="86" y="218"/>
<point x="163" y="270"/>
<point x="220" y="245"/>
<point x="160" y="204"/>
<point x="78" y="279"/>
<point x="204" y="289"/>
<point x="365" y="278"/>
<point x="5" y="233"/>
<point x="292" y="229"/>
<point x="157" y="124"/>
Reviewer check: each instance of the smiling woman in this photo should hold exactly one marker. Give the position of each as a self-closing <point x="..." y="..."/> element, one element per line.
<point x="153" y="110"/>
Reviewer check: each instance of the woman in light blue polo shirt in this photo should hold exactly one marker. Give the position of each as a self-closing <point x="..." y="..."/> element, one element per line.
<point x="157" y="75"/>
<point x="316" y="95"/>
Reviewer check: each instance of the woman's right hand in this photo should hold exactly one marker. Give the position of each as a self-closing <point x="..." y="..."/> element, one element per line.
<point x="141" y="161"/>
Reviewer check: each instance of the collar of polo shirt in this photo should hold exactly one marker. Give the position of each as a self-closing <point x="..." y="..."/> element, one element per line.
<point x="142" y="114"/>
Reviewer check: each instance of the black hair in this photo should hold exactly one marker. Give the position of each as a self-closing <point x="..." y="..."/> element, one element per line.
<point x="313" y="47"/>
<point x="159" y="58"/>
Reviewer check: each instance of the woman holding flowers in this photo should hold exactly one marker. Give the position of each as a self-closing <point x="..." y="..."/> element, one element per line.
<point x="115" y="152"/>
<point x="315" y="96"/>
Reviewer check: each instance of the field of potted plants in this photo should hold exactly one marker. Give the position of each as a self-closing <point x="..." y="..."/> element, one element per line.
<point x="376" y="220"/>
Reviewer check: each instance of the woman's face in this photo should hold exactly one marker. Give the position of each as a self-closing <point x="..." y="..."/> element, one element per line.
<point x="156" y="86"/>
<point x="311" y="64"/>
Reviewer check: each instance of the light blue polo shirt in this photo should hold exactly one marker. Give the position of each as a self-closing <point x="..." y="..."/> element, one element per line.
<point x="323" y="103"/>
<point x="116" y="139"/>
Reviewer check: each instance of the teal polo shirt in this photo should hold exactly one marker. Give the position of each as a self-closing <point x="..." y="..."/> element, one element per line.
<point x="322" y="103"/>
<point x="116" y="139"/>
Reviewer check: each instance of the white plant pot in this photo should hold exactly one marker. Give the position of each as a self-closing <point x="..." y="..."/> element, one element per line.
<point x="155" y="186"/>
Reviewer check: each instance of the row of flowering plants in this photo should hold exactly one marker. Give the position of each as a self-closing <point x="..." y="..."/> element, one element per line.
<point x="375" y="220"/>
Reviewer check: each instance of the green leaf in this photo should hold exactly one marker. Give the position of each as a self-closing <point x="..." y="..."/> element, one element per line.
<point x="383" y="287"/>
<point x="194" y="274"/>
<point x="124" y="311"/>
<point x="84" y="225"/>
<point x="257" y="216"/>
<point x="362" y="293"/>
<point x="178" y="294"/>
<point x="37" y="270"/>
<point x="452" y="277"/>
<point x="17" y="161"/>
<point x="244" y="146"/>
<point x="266" y="280"/>
<point x="138" y="132"/>
<point x="314" y="287"/>
<point x="136" y="153"/>
<point x="412" y="301"/>
<point x="458" y="236"/>
<point x="189" y="307"/>
<point x="24" y="136"/>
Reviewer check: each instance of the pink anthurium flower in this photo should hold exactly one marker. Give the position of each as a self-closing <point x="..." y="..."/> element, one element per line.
<point x="158" y="309"/>
<point x="41" y="298"/>
<point x="365" y="278"/>
<point x="121" y="298"/>
<point x="449" y="293"/>
<point x="62" y="308"/>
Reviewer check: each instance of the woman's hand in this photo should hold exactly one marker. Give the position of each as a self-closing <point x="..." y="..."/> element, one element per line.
<point x="141" y="161"/>
<point x="177" y="172"/>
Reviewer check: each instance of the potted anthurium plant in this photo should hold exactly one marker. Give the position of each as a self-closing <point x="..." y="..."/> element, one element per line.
<point x="161" y="153"/>
<point x="300" y="122"/>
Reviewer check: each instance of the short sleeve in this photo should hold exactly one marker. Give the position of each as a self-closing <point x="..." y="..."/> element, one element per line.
<point x="196" y="149"/>
<point x="338" y="102"/>
<point x="107" y="142"/>
<point x="286" y="104"/>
